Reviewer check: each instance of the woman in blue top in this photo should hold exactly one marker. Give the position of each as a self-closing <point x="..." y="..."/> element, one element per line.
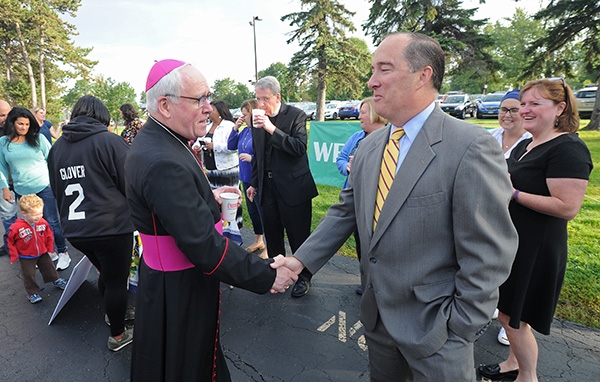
<point x="242" y="142"/>
<point x="22" y="150"/>
<point x="369" y="122"/>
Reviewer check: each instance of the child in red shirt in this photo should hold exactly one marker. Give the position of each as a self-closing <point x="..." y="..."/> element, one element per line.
<point x="29" y="240"/>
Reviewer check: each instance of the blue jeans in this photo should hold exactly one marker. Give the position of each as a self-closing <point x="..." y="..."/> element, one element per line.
<point x="8" y="215"/>
<point x="51" y="216"/>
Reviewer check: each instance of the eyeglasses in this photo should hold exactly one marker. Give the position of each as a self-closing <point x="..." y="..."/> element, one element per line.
<point x="265" y="99"/>
<point x="201" y="100"/>
<point x="511" y="111"/>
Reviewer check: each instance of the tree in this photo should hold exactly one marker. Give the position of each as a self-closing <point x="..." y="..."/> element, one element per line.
<point x="232" y="93"/>
<point x="36" y="49"/>
<point x="509" y="50"/>
<point x="291" y="91"/>
<point x="111" y="93"/>
<point x="324" y="47"/>
<point x="458" y="32"/>
<point x="569" y="22"/>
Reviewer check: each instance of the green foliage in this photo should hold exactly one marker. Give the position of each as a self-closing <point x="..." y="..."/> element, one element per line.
<point x="291" y="91"/>
<point x="231" y="92"/>
<point x="37" y="53"/>
<point x="458" y="32"/>
<point x="325" y="51"/>
<point x="111" y="93"/>
<point x="509" y="50"/>
<point x="573" y="31"/>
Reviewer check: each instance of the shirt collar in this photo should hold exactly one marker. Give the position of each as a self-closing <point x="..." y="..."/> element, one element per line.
<point x="414" y="125"/>
<point x="277" y="110"/>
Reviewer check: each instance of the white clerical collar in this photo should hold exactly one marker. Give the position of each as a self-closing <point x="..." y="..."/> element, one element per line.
<point x="276" y="111"/>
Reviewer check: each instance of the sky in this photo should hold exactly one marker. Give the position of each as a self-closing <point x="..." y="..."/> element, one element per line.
<point x="127" y="36"/>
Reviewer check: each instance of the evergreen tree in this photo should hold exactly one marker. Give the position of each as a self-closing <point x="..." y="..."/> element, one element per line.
<point x="569" y="23"/>
<point x="37" y="54"/>
<point x="458" y="32"/>
<point x="324" y="47"/>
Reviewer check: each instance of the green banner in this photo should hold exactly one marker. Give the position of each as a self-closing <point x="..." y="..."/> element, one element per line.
<point x="326" y="142"/>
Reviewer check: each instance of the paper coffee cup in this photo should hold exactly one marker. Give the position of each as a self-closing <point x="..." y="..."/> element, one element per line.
<point x="229" y="206"/>
<point x="256" y="112"/>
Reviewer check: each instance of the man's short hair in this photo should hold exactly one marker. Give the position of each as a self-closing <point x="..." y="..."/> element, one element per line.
<point x="423" y="51"/>
<point x="269" y="82"/>
<point x="28" y="203"/>
<point x="169" y="84"/>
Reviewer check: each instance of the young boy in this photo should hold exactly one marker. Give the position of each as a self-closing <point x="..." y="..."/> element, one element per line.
<point x="29" y="240"/>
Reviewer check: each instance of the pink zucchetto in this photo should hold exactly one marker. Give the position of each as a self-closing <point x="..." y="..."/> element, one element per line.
<point x="161" y="69"/>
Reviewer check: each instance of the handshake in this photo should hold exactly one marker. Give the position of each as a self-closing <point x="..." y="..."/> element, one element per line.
<point x="288" y="269"/>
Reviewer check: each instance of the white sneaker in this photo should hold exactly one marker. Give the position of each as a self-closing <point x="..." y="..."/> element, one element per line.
<point x="502" y="337"/>
<point x="495" y="315"/>
<point x="63" y="261"/>
<point x="53" y="256"/>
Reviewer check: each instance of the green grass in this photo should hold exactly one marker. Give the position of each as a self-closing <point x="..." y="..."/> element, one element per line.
<point x="580" y="298"/>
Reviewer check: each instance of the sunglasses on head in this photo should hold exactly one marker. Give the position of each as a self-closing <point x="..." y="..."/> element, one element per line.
<point x="564" y="84"/>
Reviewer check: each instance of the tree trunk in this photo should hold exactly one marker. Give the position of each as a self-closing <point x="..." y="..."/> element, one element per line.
<point x="9" y="72"/>
<point x="42" y="74"/>
<point x="321" y="86"/>
<point x="595" y="118"/>
<point x="29" y="68"/>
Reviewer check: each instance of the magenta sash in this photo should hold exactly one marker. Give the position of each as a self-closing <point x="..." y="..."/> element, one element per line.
<point x="162" y="254"/>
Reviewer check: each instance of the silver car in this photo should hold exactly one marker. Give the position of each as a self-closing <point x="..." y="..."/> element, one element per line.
<point x="585" y="100"/>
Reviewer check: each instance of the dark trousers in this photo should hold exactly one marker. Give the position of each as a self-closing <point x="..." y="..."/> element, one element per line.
<point x="253" y="211"/>
<point x="279" y="216"/>
<point x="111" y="255"/>
<point x="46" y="268"/>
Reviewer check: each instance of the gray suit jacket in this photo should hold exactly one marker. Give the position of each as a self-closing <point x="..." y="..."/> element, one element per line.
<point x="444" y="242"/>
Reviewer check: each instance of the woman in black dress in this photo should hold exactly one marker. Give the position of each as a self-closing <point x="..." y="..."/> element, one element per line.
<point x="550" y="174"/>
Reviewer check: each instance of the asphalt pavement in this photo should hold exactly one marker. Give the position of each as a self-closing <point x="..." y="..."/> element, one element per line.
<point x="265" y="337"/>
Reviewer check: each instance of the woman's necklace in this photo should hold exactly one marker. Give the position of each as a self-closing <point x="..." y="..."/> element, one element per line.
<point x="246" y="142"/>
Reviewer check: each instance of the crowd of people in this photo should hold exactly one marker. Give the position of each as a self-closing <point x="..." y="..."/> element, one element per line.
<point x="476" y="222"/>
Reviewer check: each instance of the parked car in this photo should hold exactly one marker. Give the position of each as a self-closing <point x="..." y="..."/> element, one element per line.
<point x="489" y="104"/>
<point x="476" y="96"/>
<point x="585" y="99"/>
<point x="331" y="111"/>
<point x="310" y="111"/>
<point x="236" y="113"/>
<point x="350" y="109"/>
<point x="459" y="105"/>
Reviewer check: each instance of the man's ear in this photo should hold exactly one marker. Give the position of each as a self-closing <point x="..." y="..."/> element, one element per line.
<point x="164" y="107"/>
<point x="425" y="76"/>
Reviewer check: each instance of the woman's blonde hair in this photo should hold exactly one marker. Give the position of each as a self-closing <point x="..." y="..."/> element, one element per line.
<point x="373" y="116"/>
<point x="28" y="203"/>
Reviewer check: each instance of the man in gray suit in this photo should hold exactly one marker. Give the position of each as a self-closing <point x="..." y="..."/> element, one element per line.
<point x="444" y="241"/>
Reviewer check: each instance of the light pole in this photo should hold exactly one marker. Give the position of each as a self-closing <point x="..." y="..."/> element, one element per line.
<point x="253" y="23"/>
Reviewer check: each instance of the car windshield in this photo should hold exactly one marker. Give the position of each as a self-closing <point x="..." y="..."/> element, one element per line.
<point x="454" y="99"/>
<point x="492" y="98"/>
<point x="586" y="94"/>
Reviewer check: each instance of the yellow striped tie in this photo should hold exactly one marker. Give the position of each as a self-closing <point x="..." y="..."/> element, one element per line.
<point x="387" y="172"/>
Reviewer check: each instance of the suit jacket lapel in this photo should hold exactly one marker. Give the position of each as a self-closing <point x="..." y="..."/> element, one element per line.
<point x="414" y="165"/>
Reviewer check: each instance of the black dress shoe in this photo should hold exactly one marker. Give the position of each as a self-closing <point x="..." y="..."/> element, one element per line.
<point x="358" y="290"/>
<point x="3" y="251"/>
<point x="493" y="372"/>
<point x="300" y="288"/>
